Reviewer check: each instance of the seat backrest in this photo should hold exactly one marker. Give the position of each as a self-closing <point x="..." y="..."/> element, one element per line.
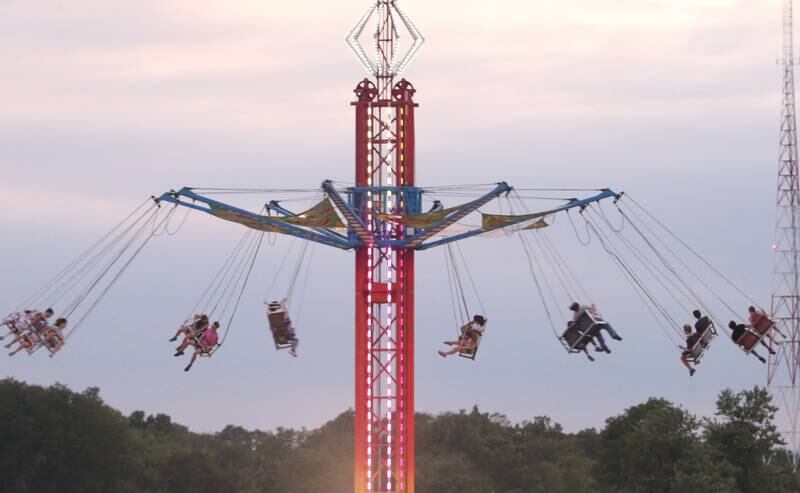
<point x="586" y="323"/>
<point x="748" y="341"/>
<point x="763" y="325"/>
<point x="573" y="337"/>
<point x="278" y="320"/>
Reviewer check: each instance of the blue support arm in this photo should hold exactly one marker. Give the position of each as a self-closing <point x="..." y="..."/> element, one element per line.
<point x="417" y="240"/>
<point x="575" y="203"/>
<point x="354" y="222"/>
<point x="276" y="206"/>
<point x="268" y="222"/>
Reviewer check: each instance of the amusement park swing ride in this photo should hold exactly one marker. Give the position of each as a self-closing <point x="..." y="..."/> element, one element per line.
<point x="385" y="218"/>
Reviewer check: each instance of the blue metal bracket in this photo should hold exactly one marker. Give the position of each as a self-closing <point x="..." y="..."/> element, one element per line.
<point x="274" y="205"/>
<point x="572" y="204"/>
<point x="457" y="215"/>
<point x="354" y="221"/>
<point x="280" y="226"/>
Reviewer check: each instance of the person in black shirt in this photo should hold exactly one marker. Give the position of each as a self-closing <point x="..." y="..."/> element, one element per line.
<point x="691" y="340"/>
<point x="703" y="322"/>
<point x="738" y="331"/>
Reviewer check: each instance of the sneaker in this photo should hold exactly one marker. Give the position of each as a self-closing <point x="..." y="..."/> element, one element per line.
<point x="771" y="351"/>
<point x="599" y="349"/>
<point x="173" y="339"/>
<point x="442" y="354"/>
<point x="188" y="368"/>
<point x="616" y="338"/>
<point x="760" y="358"/>
<point x="607" y="350"/>
<point x="179" y="353"/>
<point x="590" y="358"/>
<point x="293" y="353"/>
<point x="692" y="372"/>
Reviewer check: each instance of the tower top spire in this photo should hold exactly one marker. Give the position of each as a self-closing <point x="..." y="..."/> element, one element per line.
<point x="391" y="24"/>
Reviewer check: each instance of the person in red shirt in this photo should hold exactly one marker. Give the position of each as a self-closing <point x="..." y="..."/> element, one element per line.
<point x="756" y="315"/>
<point x="205" y="343"/>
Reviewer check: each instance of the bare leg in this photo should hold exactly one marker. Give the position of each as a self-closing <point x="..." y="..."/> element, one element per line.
<point x="20" y="348"/>
<point x="453" y="351"/>
<point x="194" y="357"/>
<point x="763" y="343"/>
<point x="183" y="330"/>
<point x="685" y="361"/>
<point x="760" y="358"/>
<point x="16" y="340"/>
<point x="186" y="342"/>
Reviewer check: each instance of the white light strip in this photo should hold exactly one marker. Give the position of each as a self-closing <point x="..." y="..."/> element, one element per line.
<point x="352" y="41"/>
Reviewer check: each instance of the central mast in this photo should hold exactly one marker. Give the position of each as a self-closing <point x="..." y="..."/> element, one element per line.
<point x="385" y="179"/>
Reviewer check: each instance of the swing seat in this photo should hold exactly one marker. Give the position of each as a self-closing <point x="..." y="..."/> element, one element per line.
<point x="763" y="325"/>
<point x="471" y="351"/>
<point x="580" y="333"/>
<point x="280" y="325"/>
<point x="17" y="323"/>
<point x="34" y="339"/>
<point x="749" y="341"/>
<point x="702" y="345"/>
<point x="52" y="343"/>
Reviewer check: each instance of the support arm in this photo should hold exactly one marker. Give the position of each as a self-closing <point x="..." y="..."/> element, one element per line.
<point x="249" y="219"/>
<point x="572" y="204"/>
<point x="457" y="215"/>
<point x="353" y="220"/>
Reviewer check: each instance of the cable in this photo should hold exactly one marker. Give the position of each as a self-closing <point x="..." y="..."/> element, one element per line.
<point x="241" y="292"/>
<point x="471" y="280"/>
<point x="686" y="245"/>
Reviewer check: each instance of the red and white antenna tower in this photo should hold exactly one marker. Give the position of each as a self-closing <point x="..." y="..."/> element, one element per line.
<point x="784" y="367"/>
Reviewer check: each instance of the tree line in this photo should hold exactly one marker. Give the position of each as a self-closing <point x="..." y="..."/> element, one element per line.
<point x="55" y="440"/>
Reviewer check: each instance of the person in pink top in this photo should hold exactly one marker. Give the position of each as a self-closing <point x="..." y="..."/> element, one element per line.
<point x="205" y="343"/>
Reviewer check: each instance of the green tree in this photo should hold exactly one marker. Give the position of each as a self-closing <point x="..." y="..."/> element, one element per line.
<point x="655" y="448"/>
<point x="744" y="435"/>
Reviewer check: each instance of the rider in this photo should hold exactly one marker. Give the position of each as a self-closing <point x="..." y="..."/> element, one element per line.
<point x="192" y="330"/>
<point x="469" y="338"/>
<point x="691" y="341"/>
<point x="205" y="343"/>
<point x="17" y="322"/>
<point x="738" y="330"/>
<point x="193" y="326"/>
<point x="703" y="322"/>
<point x="53" y="336"/>
<point x="756" y="315"/>
<point x="578" y="310"/>
<point x="37" y="323"/>
<point x="281" y="325"/>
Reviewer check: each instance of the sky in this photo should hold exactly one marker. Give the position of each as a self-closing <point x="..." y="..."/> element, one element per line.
<point x="106" y="103"/>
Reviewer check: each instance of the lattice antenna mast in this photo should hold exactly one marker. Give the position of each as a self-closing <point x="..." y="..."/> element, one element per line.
<point x="784" y="367"/>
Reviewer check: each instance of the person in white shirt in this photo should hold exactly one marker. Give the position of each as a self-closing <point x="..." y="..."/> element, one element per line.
<point x="471" y="334"/>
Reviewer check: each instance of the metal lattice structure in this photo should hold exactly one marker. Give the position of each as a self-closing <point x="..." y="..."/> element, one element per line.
<point x="784" y="367"/>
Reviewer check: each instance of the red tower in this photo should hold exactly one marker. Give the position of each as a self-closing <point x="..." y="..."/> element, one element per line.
<point x="384" y="393"/>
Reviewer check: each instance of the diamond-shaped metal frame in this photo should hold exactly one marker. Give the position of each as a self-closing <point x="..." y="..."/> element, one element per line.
<point x="398" y="64"/>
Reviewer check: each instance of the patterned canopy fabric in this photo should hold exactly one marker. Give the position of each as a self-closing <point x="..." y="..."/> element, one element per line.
<point x="322" y="215"/>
